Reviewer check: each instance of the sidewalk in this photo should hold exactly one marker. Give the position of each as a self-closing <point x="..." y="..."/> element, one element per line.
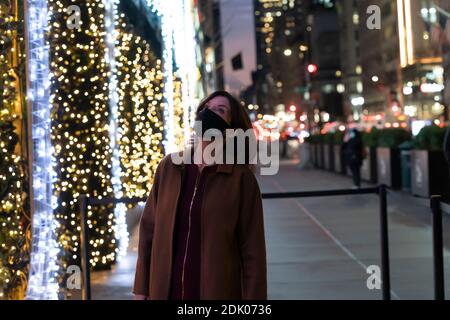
<point x="319" y="248"/>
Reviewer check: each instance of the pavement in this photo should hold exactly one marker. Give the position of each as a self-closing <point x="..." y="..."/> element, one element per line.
<point x="320" y="248"/>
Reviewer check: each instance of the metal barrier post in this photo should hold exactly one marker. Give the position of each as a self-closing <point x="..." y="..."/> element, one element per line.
<point x="438" y="251"/>
<point x="385" y="272"/>
<point x="86" y="293"/>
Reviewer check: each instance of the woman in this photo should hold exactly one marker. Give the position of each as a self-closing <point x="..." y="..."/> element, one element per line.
<point x="202" y="234"/>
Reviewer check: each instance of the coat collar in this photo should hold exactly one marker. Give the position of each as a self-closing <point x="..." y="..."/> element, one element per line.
<point x="221" y="168"/>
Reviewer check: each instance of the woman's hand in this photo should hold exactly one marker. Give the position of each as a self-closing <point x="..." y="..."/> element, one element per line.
<point x="140" y="297"/>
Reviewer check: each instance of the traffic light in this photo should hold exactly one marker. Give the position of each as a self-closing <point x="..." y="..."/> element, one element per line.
<point x="312" y="68"/>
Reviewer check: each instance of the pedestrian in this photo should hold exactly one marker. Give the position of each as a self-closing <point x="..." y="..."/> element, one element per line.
<point x="284" y="143"/>
<point x="353" y="155"/>
<point x="201" y="235"/>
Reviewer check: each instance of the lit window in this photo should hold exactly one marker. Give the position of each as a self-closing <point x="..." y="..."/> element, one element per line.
<point x="287" y="52"/>
<point x="359" y="87"/>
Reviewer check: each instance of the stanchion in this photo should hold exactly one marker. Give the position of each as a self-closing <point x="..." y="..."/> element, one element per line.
<point x="385" y="272"/>
<point x="438" y="250"/>
<point x="380" y="190"/>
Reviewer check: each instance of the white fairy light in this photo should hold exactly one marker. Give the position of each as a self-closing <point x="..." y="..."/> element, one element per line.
<point x="164" y="10"/>
<point x="111" y="19"/>
<point x="177" y="37"/>
<point x="42" y="282"/>
<point x="184" y="34"/>
<point x="178" y="46"/>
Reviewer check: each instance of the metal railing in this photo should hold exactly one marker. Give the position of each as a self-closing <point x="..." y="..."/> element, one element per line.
<point x="437" y="207"/>
<point x="380" y="191"/>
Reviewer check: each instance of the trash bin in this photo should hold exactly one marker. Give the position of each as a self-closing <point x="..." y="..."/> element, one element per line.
<point x="405" y="158"/>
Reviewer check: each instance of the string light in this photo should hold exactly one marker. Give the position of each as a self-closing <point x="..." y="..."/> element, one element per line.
<point x="42" y="282"/>
<point x="179" y="112"/>
<point x="141" y="102"/>
<point x="176" y="38"/>
<point x="105" y="110"/>
<point x="14" y="222"/>
<point x="186" y="61"/>
<point x="81" y="113"/>
<point x="111" y="19"/>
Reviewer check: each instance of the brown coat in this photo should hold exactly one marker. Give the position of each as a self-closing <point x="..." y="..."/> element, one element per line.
<point x="233" y="252"/>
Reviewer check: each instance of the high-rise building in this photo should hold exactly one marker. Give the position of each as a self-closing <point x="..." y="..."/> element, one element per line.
<point x="401" y="69"/>
<point x="379" y="55"/>
<point x="421" y="57"/>
<point x="280" y="26"/>
<point x="351" y="87"/>
<point x="322" y="61"/>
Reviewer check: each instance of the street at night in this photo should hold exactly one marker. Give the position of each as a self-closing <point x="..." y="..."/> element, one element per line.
<point x="224" y="157"/>
<point x="320" y="248"/>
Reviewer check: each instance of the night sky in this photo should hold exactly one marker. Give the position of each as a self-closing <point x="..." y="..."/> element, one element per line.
<point x="238" y="34"/>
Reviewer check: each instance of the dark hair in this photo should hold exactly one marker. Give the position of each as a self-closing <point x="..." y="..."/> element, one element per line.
<point x="239" y="116"/>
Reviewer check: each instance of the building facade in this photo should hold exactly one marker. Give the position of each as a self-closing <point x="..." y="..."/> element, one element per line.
<point x="401" y="63"/>
<point x="279" y="78"/>
<point x="379" y="55"/>
<point x="209" y="36"/>
<point x="323" y="62"/>
<point x="351" y="88"/>
<point x="421" y="58"/>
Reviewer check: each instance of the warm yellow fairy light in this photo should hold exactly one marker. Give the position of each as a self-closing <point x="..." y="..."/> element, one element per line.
<point x="178" y="107"/>
<point x="141" y="104"/>
<point x="80" y="128"/>
<point x="14" y="211"/>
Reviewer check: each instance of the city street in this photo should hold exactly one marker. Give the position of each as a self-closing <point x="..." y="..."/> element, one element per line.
<point x="94" y="94"/>
<point x="320" y="249"/>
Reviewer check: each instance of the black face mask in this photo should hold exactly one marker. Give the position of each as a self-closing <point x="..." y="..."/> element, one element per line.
<point x="211" y="120"/>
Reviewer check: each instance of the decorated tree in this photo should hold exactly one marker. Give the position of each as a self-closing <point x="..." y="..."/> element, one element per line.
<point x="80" y="130"/>
<point x="179" y="120"/>
<point x="140" y="80"/>
<point x="14" y="217"/>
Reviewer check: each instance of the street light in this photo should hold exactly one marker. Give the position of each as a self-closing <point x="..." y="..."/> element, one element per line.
<point x="312" y="68"/>
<point x="357" y="101"/>
<point x="288" y="52"/>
